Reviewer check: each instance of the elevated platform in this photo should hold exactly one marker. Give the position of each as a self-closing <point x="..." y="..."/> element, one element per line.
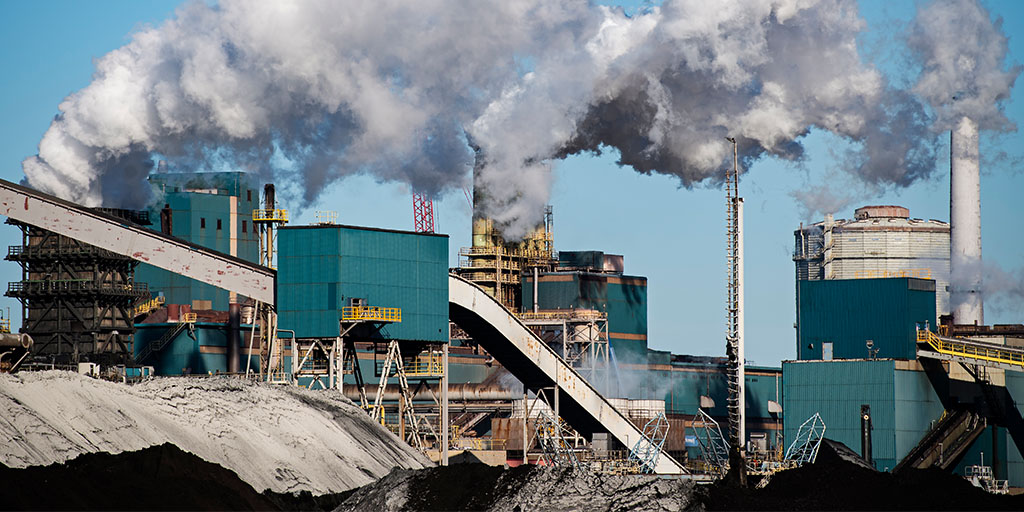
<point x="519" y="350"/>
<point x="965" y="351"/>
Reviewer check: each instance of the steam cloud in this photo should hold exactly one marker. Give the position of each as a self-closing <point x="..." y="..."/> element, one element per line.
<point x="308" y="93"/>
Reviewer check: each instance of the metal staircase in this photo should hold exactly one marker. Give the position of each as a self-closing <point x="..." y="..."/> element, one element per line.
<point x="159" y="344"/>
<point x="945" y="444"/>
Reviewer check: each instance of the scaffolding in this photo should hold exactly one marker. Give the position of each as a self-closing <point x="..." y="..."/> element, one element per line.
<point x="78" y="300"/>
<point x="497" y="265"/>
<point x="579" y="336"/>
<point x="264" y="334"/>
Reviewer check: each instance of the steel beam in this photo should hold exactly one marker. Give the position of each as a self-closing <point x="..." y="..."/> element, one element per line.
<point x="107" y="232"/>
<point x="520" y="351"/>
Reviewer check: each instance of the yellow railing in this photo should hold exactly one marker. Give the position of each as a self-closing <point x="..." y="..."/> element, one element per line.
<point x="188" y="318"/>
<point x="428" y="364"/>
<point x="5" y="325"/>
<point x="149" y="305"/>
<point x="970" y="350"/>
<point x="919" y="273"/>
<point x="277" y="215"/>
<point x="371" y="313"/>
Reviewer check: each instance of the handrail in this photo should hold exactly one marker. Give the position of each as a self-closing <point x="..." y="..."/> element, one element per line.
<point x="919" y="273"/>
<point x="371" y="313"/>
<point x="972" y="350"/>
<point x="275" y="215"/>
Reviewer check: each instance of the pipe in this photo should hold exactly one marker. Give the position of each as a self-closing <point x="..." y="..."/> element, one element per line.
<point x="456" y="393"/>
<point x="15" y="340"/>
<point x="536" y="283"/>
<point x="965" y="224"/>
<point x="234" y="339"/>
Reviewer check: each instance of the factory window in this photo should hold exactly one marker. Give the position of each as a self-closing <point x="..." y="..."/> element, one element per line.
<point x="248" y="196"/>
<point x="218" y="224"/>
<point x="202" y="222"/>
<point x="244" y="230"/>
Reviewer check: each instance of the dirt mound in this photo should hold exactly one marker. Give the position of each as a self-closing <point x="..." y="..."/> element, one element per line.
<point x="835" y="482"/>
<point x="157" y="478"/>
<point x="481" y="487"/>
<point x="281" y="438"/>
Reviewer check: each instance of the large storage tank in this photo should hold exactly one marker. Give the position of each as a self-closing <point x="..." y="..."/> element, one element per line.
<point x="880" y="241"/>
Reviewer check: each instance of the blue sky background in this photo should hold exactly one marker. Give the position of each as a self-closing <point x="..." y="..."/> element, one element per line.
<point x="674" y="236"/>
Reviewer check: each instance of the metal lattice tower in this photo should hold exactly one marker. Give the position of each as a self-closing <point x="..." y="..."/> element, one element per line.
<point x="422" y="213"/>
<point x="804" y="448"/>
<point x="734" y="304"/>
<point x="647" y="450"/>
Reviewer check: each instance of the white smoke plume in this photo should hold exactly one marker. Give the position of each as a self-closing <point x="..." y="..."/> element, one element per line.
<point x="310" y="92"/>
<point x="962" y="52"/>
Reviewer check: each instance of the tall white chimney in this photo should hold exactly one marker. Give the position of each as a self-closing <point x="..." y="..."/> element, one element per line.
<point x="965" y="224"/>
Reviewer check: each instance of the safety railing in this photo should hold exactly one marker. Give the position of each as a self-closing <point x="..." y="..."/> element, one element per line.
<point x="76" y="286"/>
<point x="370" y="314"/>
<point x="972" y="350"/>
<point x="919" y="273"/>
<point x="427" y="364"/>
<point x="564" y="314"/>
<point x="276" y="215"/>
<point x="5" y="325"/>
<point x="188" y="318"/>
<point x="148" y="306"/>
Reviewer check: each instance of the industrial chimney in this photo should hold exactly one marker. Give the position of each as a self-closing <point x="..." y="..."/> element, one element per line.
<point x="965" y="224"/>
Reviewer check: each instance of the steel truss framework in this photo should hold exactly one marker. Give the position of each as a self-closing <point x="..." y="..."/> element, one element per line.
<point x="78" y="300"/>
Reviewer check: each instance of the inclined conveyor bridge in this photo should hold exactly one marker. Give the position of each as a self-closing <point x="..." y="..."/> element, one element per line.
<point x="495" y="328"/>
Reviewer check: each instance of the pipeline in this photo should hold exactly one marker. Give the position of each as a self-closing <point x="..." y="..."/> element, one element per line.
<point x="15" y="340"/>
<point x="456" y="393"/>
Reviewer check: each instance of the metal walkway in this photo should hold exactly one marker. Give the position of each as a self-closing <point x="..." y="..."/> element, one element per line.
<point x="969" y="351"/>
<point x="520" y="351"/>
<point x="946" y="443"/>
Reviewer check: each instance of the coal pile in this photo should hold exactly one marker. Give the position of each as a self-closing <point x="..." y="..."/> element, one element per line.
<point x="481" y="487"/>
<point x="838" y="482"/>
<point x="156" y="478"/>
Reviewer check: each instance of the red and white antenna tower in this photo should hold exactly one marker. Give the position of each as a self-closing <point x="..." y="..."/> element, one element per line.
<point x="422" y="213"/>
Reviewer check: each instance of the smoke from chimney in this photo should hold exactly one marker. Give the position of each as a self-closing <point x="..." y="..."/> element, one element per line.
<point x="308" y="93"/>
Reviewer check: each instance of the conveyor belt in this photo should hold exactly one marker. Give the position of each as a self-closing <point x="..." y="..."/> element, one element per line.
<point x="969" y="351"/>
<point x="520" y="351"/>
<point x="113" y="234"/>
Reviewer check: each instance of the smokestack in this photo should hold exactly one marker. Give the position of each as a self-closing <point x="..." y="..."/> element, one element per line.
<point x="965" y="223"/>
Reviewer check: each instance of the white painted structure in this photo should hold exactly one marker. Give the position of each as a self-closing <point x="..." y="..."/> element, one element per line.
<point x="527" y="357"/>
<point x="106" y="232"/>
<point x="965" y="224"/>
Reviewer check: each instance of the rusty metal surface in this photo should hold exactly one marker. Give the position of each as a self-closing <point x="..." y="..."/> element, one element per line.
<point x="107" y="232"/>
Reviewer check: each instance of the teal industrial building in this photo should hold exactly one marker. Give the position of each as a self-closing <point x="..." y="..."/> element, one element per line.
<point x="324" y="268"/>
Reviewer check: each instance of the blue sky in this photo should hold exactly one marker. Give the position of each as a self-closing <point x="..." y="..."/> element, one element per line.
<point x="672" y="235"/>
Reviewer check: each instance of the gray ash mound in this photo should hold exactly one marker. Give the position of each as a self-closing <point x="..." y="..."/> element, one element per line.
<point x="837" y="481"/>
<point x="481" y="487"/>
<point x="157" y="478"/>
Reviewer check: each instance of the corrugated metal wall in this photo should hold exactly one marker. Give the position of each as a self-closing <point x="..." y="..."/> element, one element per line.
<point x="321" y="267"/>
<point x="836" y="390"/>
<point x="189" y="211"/>
<point x="903" y="403"/>
<point x="847" y="312"/>
<point x="861" y="247"/>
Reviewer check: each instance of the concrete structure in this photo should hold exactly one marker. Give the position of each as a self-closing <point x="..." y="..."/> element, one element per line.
<point x="965" y="223"/>
<point x="880" y="241"/>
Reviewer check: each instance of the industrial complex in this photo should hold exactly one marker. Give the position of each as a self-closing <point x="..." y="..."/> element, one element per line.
<point x="525" y="353"/>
